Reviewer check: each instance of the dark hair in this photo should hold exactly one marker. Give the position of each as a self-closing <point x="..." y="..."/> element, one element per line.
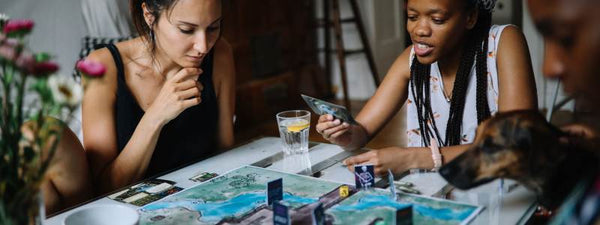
<point x="474" y="50"/>
<point x="156" y="7"/>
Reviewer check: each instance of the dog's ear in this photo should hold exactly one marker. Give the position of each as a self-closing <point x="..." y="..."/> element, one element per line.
<point x="517" y="133"/>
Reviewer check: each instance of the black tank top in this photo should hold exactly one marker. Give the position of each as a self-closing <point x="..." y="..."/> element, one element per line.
<point x="190" y="137"/>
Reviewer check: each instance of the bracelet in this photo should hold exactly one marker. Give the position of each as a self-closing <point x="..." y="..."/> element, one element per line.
<point x="435" y="155"/>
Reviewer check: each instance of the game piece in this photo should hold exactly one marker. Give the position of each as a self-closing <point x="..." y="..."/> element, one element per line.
<point x="281" y="215"/>
<point x="274" y="191"/>
<point x="344" y="191"/>
<point x="364" y="176"/>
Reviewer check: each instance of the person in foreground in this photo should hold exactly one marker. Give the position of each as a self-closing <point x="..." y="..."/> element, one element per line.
<point x="571" y="30"/>
<point x="166" y="100"/>
<point x="459" y="71"/>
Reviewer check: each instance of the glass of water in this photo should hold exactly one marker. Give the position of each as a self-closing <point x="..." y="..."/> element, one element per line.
<point x="293" y="130"/>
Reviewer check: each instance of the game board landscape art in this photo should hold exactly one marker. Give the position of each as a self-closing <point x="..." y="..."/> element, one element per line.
<point x="239" y="197"/>
<point x="232" y="196"/>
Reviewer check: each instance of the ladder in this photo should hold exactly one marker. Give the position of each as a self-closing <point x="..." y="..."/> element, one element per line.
<point x="333" y="6"/>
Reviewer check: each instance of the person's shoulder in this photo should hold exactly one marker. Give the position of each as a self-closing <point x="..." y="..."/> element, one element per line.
<point x="404" y="62"/>
<point x="223" y="50"/>
<point x="224" y="66"/>
<point x="223" y="58"/>
<point x="104" y="57"/>
<point x="507" y="33"/>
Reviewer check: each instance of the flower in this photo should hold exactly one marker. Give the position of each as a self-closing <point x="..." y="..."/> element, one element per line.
<point x="4" y="18"/>
<point x="26" y="62"/>
<point x="25" y="128"/>
<point x="45" y="68"/>
<point x="18" y="26"/>
<point x="8" y="52"/>
<point x="9" y="48"/>
<point x="91" y="68"/>
<point x="65" y="90"/>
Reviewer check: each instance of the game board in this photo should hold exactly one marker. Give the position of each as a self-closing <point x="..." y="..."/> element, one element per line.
<point x="239" y="197"/>
<point x="232" y="196"/>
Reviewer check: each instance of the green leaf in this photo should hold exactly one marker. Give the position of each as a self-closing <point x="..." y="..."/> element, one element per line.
<point x="42" y="57"/>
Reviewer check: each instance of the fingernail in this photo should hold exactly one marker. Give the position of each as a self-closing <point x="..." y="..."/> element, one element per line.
<point x="336" y="122"/>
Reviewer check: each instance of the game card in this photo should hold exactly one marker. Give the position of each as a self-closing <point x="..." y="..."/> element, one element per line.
<point x="322" y="107"/>
<point x="203" y="176"/>
<point x="146" y="192"/>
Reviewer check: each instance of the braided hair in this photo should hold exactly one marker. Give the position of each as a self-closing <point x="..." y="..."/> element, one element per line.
<point x="474" y="51"/>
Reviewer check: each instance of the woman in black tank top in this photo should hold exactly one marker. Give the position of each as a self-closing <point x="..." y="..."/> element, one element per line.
<point x="167" y="97"/>
<point x="166" y="100"/>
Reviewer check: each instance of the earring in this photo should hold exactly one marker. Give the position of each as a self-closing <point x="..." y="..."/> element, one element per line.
<point x="151" y="34"/>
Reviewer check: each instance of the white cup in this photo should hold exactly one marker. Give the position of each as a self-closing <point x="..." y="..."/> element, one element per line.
<point x="103" y="215"/>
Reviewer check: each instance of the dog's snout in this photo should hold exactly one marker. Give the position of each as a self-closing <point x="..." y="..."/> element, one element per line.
<point x="460" y="172"/>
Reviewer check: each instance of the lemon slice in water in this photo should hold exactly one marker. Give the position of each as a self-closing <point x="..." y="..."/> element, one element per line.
<point x="297" y="126"/>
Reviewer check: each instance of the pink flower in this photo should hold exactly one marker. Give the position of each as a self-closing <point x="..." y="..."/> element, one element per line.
<point x="21" y="26"/>
<point x="45" y="68"/>
<point x="91" y="68"/>
<point x="11" y="42"/>
<point x="8" y="52"/>
<point x="26" y="62"/>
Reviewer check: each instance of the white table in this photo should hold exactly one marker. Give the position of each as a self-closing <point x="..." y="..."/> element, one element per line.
<point x="501" y="207"/>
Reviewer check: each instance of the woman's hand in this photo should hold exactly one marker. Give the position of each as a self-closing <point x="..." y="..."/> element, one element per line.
<point x="396" y="159"/>
<point x="334" y="130"/>
<point x="582" y="136"/>
<point x="178" y="93"/>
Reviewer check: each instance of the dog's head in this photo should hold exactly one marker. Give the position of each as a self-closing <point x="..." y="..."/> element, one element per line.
<point x="519" y="145"/>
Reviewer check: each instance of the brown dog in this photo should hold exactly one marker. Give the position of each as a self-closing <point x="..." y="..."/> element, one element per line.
<point x="522" y="146"/>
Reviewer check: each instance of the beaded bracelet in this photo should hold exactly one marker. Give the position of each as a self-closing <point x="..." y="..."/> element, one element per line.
<point x="435" y="154"/>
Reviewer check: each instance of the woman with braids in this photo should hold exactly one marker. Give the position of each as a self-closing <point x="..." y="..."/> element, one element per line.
<point x="459" y="71"/>
<point x="166" y="100"/>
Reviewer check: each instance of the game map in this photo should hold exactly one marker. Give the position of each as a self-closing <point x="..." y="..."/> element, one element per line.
<point x="239" y="197"/>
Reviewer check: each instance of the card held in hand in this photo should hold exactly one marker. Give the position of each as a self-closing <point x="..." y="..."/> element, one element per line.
<point x="322" y="107"/>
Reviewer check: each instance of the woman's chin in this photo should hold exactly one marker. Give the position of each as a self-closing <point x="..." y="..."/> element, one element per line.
<point x="426" y="60"/>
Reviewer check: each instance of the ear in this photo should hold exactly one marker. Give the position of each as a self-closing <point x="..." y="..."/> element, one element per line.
<point x="472" y="18"/>
<point x="148" y="16"/>
<point x="523" y="135"/>
<point x="517" y="132"/>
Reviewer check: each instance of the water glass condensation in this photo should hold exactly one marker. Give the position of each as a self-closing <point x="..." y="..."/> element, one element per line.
<point x="293" y="130"/>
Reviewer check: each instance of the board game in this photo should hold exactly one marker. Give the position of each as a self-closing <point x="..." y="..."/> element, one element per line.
<point x="240" y="197"/>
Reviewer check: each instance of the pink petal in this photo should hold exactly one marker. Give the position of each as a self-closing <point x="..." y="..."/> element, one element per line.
<point x="91" y="68"/>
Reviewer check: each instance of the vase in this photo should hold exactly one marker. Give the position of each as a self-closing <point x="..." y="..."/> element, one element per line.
<point x="29" y="210"/>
